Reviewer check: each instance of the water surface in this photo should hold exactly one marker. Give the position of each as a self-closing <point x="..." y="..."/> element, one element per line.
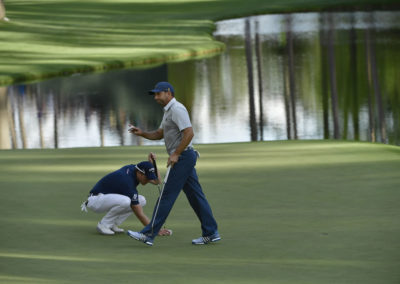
<point x="295" y="76"/>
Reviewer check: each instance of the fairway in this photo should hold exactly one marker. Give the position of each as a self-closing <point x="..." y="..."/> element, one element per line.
<point x="288" y="212"/>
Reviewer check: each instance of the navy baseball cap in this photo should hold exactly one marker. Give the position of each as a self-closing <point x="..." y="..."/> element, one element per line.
<point x="162" y="87"/>
<point x="147" y="169"/>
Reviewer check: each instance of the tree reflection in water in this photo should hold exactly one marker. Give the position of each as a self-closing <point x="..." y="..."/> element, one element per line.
<point x="297" y="76"/>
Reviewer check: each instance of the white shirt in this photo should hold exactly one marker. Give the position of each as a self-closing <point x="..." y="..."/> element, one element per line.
<point x="176" y="118"/>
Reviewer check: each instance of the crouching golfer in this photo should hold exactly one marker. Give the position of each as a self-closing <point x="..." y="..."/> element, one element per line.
<point x="117" y="195"/>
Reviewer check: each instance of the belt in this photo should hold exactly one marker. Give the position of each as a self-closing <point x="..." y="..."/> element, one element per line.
<point x="192" y="149"/>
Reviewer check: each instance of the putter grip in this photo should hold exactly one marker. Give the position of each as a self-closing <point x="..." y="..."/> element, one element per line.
<point x="155" y="166"/>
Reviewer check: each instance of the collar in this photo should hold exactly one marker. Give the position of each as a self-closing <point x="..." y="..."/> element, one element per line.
<point x="169" y="105"/>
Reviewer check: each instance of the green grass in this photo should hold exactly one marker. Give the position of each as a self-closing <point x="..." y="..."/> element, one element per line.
<point x="47" y="38"/>
<point x="288" y="212"/>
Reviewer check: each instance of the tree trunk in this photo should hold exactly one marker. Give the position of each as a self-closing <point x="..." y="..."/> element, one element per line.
<point x="375" y="80"/>
<point x="102" y="119"/>
<point x="290" y="52"/>
<point x="121" y="125"/>
<point x="332" y="76"/>
<point x="260" y="81"/>
<point x="371" y="113"/>
<point x="56" y="104"/>
<point x="249" y="61"/>
<point x="286" y="97"/>
<point x="354" y="80"/>
<point x="324" y="75"/>
<point x="12" y="110"/>
<point x="40" y="105"/>
<point x="21" y="119"/>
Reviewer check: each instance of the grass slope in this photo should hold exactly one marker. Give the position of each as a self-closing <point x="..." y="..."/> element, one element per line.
<point x="45" y="38"/>
<point x="288" y="212"/>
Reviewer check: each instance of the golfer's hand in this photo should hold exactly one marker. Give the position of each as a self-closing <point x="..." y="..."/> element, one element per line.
<point x="173" y="159"/>
<point x="152" y="157"/>
<point x="135" y="130"/>
<point x="165" y="232"/>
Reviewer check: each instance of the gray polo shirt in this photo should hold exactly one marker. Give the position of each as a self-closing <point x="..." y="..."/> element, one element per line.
<point x="175" y="119"/>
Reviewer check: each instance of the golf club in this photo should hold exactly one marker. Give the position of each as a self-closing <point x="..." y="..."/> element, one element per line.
<point x="155" y="168"/>
<point x="160" y="191"/>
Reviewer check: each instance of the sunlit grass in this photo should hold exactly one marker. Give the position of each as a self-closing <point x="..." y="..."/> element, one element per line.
<point x="288" y="212"/>
<point x="49" y="257"/>
<point x="45" y="39"/>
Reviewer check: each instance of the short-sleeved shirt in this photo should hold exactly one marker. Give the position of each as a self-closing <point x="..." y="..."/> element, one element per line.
<point x="122" y="181"/>
<point x="176" y="118"/>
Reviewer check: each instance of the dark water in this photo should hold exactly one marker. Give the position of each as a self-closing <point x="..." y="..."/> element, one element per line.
<point x="312" y="76"/>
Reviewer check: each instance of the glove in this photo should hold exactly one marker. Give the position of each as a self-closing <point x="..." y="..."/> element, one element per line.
<point x="83" y="206"/>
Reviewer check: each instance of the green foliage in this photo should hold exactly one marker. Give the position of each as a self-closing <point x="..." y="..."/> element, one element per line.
<point x="288" y="212"/>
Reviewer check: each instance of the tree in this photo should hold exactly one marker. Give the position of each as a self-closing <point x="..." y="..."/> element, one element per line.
<point x="250" y="78"/>
<point x="332" y="77"/>
<point x="291" y="72"/>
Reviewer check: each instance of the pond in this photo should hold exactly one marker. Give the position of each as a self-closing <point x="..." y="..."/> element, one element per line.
<point x="293" y="76"/>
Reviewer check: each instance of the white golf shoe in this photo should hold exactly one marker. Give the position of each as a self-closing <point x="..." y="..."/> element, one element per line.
<point x="206" y="240"/>
<point x="117" y="229"/>
<point x="140" y="237"/>
<point x="104" y="230"/>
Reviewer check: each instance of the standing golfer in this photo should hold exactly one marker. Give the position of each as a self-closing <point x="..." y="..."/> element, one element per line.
<point x="177" y="131"/>
<point x="117" y="195"/>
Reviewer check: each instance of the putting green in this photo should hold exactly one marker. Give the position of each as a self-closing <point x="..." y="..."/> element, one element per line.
<point x="288" y="212"/>
<point x="46" y="38"/>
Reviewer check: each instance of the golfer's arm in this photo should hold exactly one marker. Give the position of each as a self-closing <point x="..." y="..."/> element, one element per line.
<point x="138" y="210"/>
<point x="186" y="138"/>
<point x="154" y="135"/>
<point x="155" y="182"/>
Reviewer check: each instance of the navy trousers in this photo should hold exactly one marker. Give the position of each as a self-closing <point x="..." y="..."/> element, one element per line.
<point x="183" y="176"/>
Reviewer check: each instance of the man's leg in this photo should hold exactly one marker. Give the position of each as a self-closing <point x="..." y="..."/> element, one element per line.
<point x="176" y="179"/>
<point x="116" y="205"/>
<point x="125" y="214"/>
<point x="200" y="205"/>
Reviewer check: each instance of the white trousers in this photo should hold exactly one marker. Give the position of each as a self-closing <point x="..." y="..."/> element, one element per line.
<point x="117" y="206"/>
